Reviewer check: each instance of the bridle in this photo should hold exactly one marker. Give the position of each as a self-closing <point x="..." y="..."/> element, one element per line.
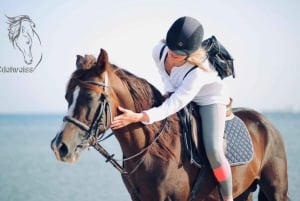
<point x="103" y="109"/>
<point x="94" y="135"/>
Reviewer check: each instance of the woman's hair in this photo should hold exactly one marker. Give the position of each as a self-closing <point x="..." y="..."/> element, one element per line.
<point x="197" y="58"/>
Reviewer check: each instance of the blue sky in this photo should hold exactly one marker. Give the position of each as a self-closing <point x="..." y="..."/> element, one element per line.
<point x="262" y="36"/>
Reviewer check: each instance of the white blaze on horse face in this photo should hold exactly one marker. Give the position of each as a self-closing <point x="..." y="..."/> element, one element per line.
<point x="72" y="107"/>
<point x="70" y="114"/>
<point x="74" y="101"/>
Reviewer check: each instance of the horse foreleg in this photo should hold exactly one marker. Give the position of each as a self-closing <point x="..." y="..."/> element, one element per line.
<point x="131" y="188"/>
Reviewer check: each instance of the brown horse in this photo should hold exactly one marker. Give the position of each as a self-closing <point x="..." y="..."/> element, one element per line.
<point x="155" y="166"/>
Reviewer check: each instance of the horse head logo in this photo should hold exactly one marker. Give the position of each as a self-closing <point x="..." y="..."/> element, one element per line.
<point x="21" y="33"/>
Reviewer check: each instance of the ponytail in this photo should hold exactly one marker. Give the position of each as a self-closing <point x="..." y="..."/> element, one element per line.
<point x="197" y="58"/>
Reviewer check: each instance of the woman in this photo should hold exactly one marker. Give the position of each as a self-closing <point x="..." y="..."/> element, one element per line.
<point x="176" y="60"/>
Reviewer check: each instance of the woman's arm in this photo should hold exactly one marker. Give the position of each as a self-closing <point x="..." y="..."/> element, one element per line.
<point x="128" y="117"/>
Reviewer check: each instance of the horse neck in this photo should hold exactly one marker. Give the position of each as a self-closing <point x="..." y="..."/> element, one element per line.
<point x="132" y="138"/>
<point x="135" y="138"/>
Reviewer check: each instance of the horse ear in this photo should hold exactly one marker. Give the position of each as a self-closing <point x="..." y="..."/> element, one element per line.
<point x="79" y="61"/>
<point x="102" y="61"/>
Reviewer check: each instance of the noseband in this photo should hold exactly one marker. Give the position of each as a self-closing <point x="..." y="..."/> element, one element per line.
<point x="93" y="131"/>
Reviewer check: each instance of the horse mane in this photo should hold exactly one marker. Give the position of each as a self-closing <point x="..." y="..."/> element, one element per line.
<point x="15" y="26"/>
<point x="140" y="88"/>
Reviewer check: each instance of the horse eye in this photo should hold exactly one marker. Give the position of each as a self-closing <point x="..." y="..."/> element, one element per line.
<point x="89" y="97"/>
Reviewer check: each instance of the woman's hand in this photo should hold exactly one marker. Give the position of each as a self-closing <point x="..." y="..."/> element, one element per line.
<point x="127" y="117"/>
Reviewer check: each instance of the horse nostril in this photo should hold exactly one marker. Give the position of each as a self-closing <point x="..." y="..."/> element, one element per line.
<point x="63" y="150"/>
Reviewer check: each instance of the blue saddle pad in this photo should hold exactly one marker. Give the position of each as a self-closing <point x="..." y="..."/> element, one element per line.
<point x="239" y="147"/>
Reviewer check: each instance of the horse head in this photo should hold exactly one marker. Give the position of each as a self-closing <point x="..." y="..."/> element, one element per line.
<point x="21" y="33"/>
<point x="91" y="105"/>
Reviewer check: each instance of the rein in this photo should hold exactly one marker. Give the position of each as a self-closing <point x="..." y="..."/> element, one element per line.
<point x="94" y="137"/>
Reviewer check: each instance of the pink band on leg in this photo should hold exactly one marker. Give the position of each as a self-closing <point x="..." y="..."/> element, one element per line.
<point x="222" y="173"/>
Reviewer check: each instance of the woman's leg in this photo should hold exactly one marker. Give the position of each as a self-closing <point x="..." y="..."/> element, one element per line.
<point x="213" y="126"/>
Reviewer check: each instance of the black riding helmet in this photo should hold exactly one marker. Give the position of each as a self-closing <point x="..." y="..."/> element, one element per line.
<point x="185" y="36"/>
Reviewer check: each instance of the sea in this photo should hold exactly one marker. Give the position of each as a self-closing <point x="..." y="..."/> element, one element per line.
<point x="29" y="170"/>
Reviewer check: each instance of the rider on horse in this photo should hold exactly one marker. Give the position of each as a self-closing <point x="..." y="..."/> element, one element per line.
<point x="177" y="59"/>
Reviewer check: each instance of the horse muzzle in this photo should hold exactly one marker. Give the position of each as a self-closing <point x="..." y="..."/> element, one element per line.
<point x="64" y="152"/>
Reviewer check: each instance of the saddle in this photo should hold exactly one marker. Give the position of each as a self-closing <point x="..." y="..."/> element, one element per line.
<point x="237" y="144"/>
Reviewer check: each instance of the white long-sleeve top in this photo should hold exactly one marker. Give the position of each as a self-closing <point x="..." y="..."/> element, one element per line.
<point x="199" y="86"/>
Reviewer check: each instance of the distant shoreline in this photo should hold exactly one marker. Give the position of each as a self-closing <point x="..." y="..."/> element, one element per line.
<point x="61" y="114"/>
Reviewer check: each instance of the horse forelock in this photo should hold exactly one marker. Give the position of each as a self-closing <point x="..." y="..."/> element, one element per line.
<point x="86" y="62"/>
<point x="86" y="73"/>
<point x="73" y="81"/>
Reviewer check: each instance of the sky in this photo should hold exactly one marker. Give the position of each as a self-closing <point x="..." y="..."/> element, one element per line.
<point x="262" y="37"/>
